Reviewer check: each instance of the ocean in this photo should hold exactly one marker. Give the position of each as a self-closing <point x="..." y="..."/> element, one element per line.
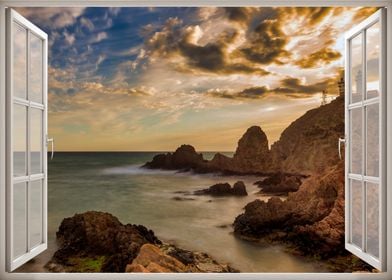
<point x="114" y="182"/>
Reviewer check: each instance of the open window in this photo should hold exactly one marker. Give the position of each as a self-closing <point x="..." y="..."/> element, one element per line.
<point x="365" y="115"/>
<point x="26" y="140"/>
<point x="365" y="140"/>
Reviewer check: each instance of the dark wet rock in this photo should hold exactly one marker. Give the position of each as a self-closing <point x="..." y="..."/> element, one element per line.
<point x="99" y="242"/>
<point x="184" y="158"/>
<point x="179" y="198"/>
<point x="224" y="189"/>
<point x="280" y="183"/>
<point x="100" y="234"/>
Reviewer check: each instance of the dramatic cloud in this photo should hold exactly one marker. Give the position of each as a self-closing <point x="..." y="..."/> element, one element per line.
<point x="319" y="58"/>
<point x="52" y="17"/>
<point x="267" y="44"/>
<point x="153" y="79"/>
<point x="182" y="44"/>
<point x="294" y="87"/>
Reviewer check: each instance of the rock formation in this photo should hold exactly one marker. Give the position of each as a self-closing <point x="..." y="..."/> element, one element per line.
<point x="184" y="158"/>
<point x="309" y="144"/>
<point x="280" y="183"/>
<point x="224" y="189"/>
<point x="169" y="258"/>
<point x="99" y="242"/>
<point x="313" y="216"/>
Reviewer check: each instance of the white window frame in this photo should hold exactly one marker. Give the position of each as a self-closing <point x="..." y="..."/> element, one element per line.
<point x="358" y="29"/>
<point x="14" y="263"/>
<point x="192" y="3"/>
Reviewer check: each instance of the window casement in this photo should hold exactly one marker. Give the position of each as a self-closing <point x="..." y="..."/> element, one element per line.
<point x="24" y="141"/>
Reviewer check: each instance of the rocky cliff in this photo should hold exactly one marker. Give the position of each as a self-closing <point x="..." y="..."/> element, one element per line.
<point x="313" y="216"/>
<point x="309" y="144"/>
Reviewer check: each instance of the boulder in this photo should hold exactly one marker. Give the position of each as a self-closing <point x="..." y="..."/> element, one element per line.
<point x="99" y="242"/>
<point x="152" y="259"/>
<point x="100" y="234"/>
<point x="239" y="189"/>
<point x="280" y="183"/>
<point x="224" y="189"/>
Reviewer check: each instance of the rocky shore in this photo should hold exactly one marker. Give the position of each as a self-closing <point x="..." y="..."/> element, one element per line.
<point x="99" y="242"/>
<point x="302" y="165"/>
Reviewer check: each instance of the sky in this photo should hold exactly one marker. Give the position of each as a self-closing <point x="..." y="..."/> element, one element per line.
<point x="151" y="79"/>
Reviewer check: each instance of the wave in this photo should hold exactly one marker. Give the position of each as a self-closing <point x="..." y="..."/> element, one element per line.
<point x="136" y="170"/>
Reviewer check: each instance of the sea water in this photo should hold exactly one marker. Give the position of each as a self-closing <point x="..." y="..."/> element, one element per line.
<point x="114" y="182"/>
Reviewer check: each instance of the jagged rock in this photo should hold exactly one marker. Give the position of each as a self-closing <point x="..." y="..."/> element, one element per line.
<point x="224" y="189"/>
<point x="313" y="215"/>
<point x="99" y="242"/>
<point x="252" y="154"/>
<point x="100" y="234"/>
<point x="168" y="258"/>
<point x="280" y="183"/>
<point x="150" y="254"/>
<point x="309" y="144"/>
<point x="184" y="158"/>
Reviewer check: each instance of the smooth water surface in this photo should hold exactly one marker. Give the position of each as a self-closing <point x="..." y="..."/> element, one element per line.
<point x="115" y="183"/>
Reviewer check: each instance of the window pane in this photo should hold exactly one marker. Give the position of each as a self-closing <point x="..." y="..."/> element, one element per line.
<point x="20" y="62"/>
<point x="356" y="213"/>
<point x="36" y="140"/>
<point x="35" y="213"/>
<point x="35" y="93"/>
<point x="19" y="220"/>
<point x="356" y="141"/>
<point x="373" y="43"/>
<point x="19" y="140"/>
<point x="372" y="212"/>
<point x="356" y="68"/>
<point x="372" y="140"/>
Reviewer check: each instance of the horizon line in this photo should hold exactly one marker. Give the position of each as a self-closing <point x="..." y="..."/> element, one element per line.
<point x="128" y="151"/>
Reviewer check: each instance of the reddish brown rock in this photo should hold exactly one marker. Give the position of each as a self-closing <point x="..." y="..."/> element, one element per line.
<point x="313" y="215"/>
<point x="153" y="259"/>
<point x="309" y="144"/>
<point x="113" y="247"/>
<point x="280" y="183"/>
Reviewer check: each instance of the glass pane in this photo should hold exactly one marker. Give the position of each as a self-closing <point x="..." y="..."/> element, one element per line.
<point x="19" y="140"/>
<point x="35" y="213"/>
<point x="356" y="141"/>
<point x="19" y="220"/>
<point x="20" y="62"/>
<point x="356" y="213"/>
<point x="372" y="212"/>
<point x="356" y="68"/>
<point x="36" y="140"/>
<point x="35" y="93"/>
<point x="372" y="140"/>
<point x="373" y="43"/>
